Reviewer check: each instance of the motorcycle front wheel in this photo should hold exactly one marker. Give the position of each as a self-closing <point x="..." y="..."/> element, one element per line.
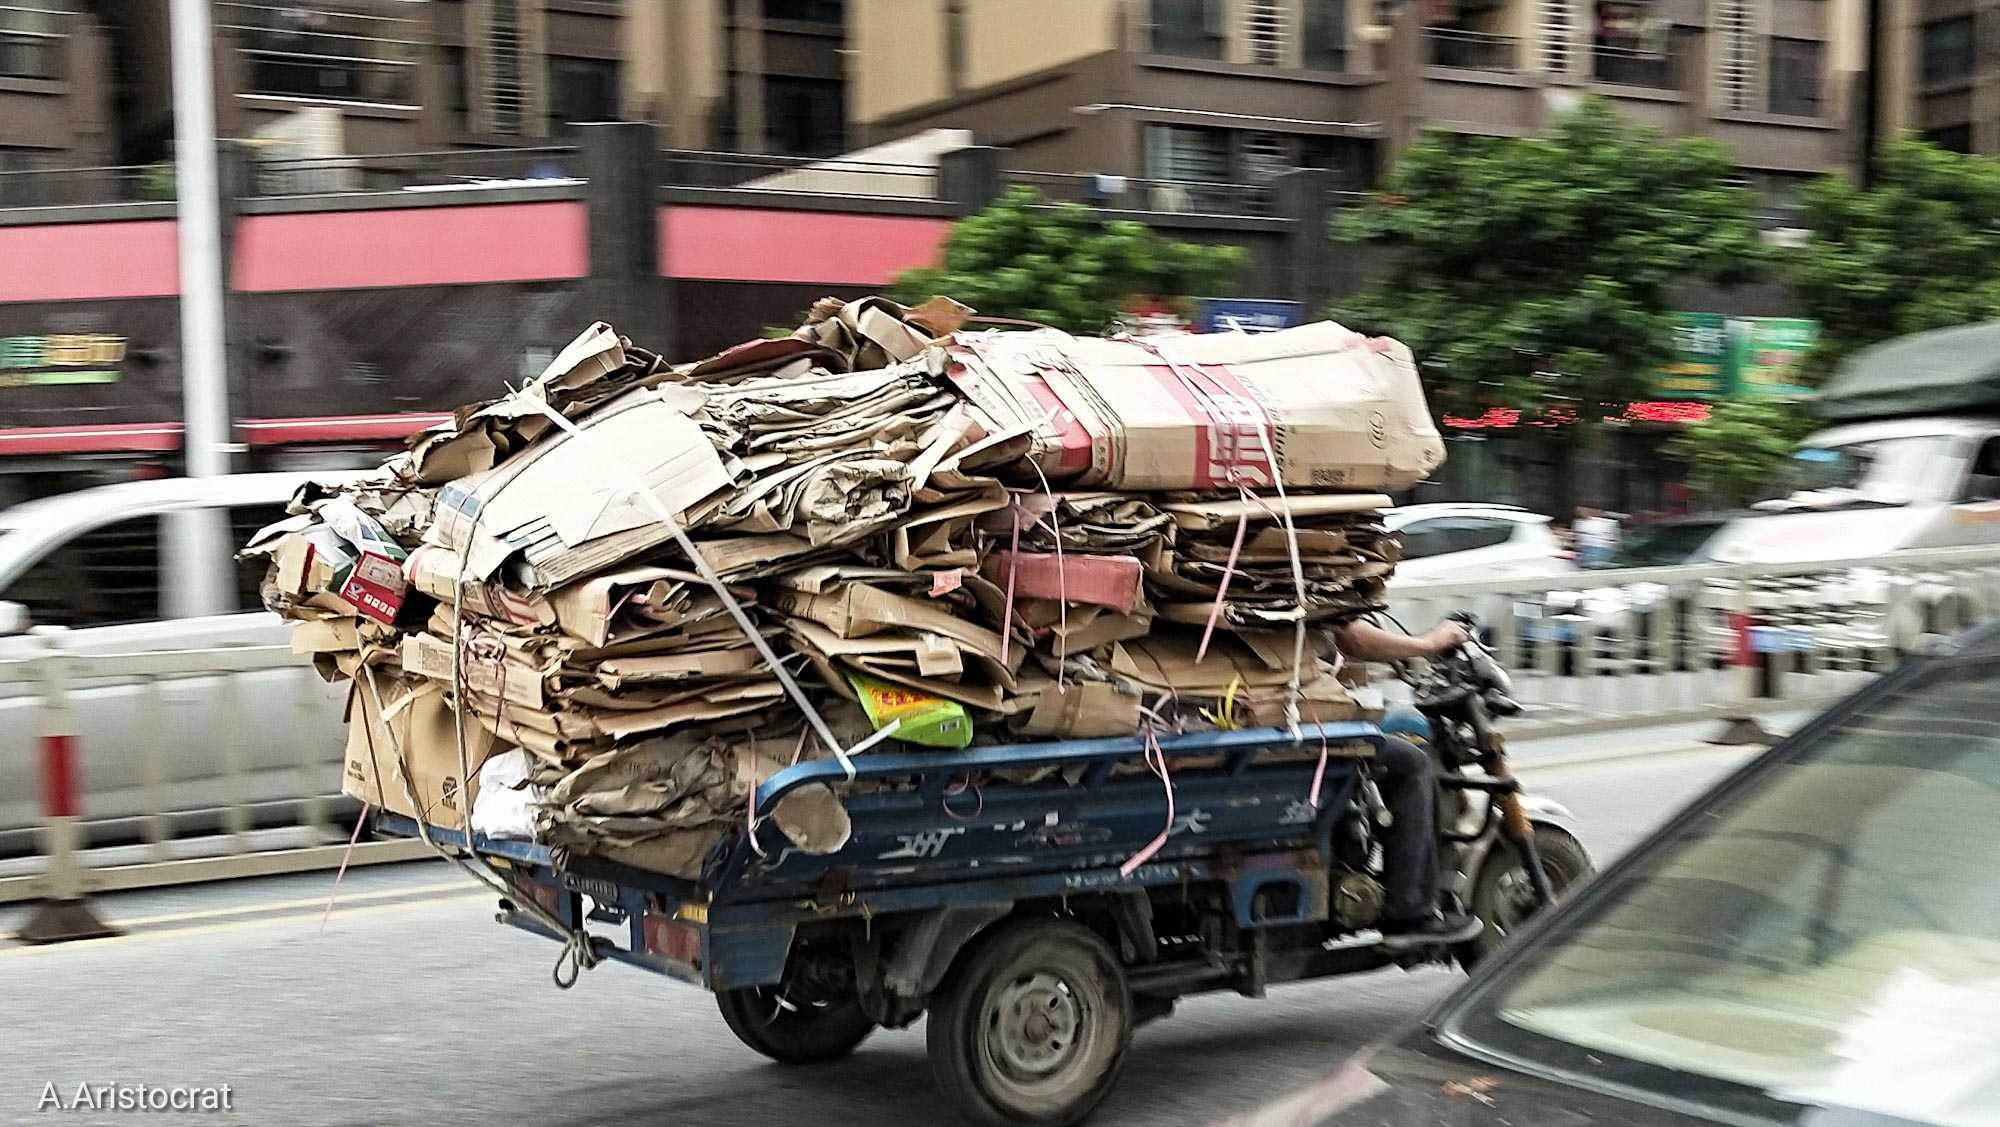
<point x="1504" y="898"/>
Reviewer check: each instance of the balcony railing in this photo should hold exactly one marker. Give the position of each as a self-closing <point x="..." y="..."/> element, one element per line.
<point x="345" y="51"/>
<point x="1183" y="197"/>
<point x="1632" y="66"/>
<point x="33" y="42"/>
<point x="73" y="187"/>
<point x="830" y="176"/>
<point x="1471" y="50"/>
<point x="427" y="171"/>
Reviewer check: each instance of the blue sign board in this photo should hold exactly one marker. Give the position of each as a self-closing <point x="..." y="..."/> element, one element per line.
<point x="1244" y="314"/>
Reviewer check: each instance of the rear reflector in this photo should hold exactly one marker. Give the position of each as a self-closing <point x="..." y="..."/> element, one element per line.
<point x="675" y="940"/>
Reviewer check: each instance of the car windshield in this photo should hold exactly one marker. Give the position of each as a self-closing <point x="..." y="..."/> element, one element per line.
<point x="1886" y="469"/>
<point x="1666" y="545"/>
<point x="1827" y="936"/>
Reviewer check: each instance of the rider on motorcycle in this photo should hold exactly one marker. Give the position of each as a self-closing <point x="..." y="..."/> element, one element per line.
<point x="1409" y="790"/>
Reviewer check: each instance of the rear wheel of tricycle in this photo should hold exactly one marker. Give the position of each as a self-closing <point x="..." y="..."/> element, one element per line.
<point x="794" y="1032"/>
<point x="1031" y="1025"/>
<point x="1504" y="898"/>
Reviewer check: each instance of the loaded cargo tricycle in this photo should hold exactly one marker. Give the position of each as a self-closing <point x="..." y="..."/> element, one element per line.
<point x="995" y="889"/>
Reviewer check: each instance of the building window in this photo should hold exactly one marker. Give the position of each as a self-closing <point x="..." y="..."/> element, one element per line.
<point x="1191" y="28"/>
<point x="581" y="90"/>
<point x="353" y="51"/>
<point x="806" y="11"/>
<point x="1324" y="45"/>
<point x="1188" y="167"/>
<point x="1349" y="159"/>
<point x="1629" y="47"/>
<point x="1795" y="76"/>
<point x="1736" y="67"/>
<point x="804" y="117"/>
<point x="32" y="43"/>
<point x="506" y="91"/>
<point x="1264" y="29"/>
<point x="1558" y="26"/>
<point x="1948" y="50"/>
<point x="1954" y="138"/>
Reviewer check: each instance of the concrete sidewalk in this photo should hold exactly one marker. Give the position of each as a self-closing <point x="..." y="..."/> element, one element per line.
<point x="1633" y="743"/>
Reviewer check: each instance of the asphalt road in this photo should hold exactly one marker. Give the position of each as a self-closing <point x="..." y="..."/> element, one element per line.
<point x="412" y="1007"/>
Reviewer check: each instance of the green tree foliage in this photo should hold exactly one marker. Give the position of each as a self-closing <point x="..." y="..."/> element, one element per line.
<point x="1738" y="453"/>
<point x="1920" y="250"/>
<point x="1532" y="272"/>
<point x="1063" y="266"/>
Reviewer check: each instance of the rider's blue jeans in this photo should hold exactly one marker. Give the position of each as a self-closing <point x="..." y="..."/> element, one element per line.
<point x="1409" y="846"/>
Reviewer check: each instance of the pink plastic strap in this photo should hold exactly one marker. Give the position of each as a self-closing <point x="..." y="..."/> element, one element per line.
<point x="1222" y="589"/>
<point x="1319" y="772"/>
<point x="1156" y="758"/>
<point x="360" y="820"/>
<point x="961" y="787"/>
<point x="1155" y="724"/>
<point x="1062" y="582"/>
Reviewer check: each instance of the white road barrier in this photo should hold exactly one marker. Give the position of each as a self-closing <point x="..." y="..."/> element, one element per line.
<point x="1591" y="652"/>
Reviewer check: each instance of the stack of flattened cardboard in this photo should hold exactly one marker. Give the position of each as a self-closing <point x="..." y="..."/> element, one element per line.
<point x="968" y="536"/>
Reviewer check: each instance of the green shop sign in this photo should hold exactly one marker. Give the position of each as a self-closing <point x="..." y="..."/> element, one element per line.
<point x="76" y="358"/>
<point x="1700" y="368"/>
<point x="1767" y="354"/>
<point x="1716" y="357"/>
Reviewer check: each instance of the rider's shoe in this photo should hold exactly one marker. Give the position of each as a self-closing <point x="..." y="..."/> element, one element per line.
<point x="1436" y="928"/>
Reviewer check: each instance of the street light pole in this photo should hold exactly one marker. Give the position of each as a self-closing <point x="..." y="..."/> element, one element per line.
<point x="204" y="362"/>
<point x="1871" y="95"/>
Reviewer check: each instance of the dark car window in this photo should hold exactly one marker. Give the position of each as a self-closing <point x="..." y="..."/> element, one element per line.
<point x="244" y="522"/>
<point x="107" y="576"/>
<point x="1827" y="936"/>
<point x="1423" y="538"/>
<point x="1439" y="535"/>
<point x="1463" y="534"/>
<point x="1667" y="545"/>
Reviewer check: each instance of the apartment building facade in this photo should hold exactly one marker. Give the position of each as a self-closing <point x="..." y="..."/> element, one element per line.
<point x="1946" y="85"/>
<point x="86" y="82"/>
<point x="1236" y="90"/>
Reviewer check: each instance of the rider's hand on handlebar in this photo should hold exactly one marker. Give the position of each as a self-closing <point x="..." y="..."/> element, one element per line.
<point x="1446" y="636"/>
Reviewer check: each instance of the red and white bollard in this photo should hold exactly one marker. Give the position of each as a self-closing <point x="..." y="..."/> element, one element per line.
<point x="64" y="913"/>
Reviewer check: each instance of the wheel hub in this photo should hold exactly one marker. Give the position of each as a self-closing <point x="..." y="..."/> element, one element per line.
<point x="1032" y="1026"/>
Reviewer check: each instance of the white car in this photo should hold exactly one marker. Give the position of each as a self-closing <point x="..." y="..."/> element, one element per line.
<point x="151" y="566"/>
<point x="1462" y="541"/>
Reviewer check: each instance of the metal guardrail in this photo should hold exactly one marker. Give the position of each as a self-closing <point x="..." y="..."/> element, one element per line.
<point x="1602" y="650"/>
<point x="68" y="871"/>
<point x="1590" y="651"/>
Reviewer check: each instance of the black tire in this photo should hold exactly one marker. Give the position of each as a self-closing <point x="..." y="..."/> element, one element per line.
<point x="790" y="1033"/>
<point x="1502" y="898"/>
<point x="1031" y="1025"/>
